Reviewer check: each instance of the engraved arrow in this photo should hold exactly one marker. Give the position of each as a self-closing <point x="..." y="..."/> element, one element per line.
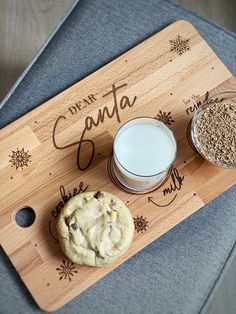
<point x="50" y="231"/>
<point x="150" y="199"/>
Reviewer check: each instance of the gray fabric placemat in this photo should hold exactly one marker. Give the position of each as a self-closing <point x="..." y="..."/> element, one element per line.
<point x="176" y="273"/>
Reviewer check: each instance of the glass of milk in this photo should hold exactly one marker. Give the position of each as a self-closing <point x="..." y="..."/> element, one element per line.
<point x="144" y="149"/>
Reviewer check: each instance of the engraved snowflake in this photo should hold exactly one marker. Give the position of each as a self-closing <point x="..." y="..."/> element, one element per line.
<point x="179" y="45"/>
<point x="140" y="224"/>
<point x="66" y="270"/>
<point x="165" y="117"/>
<point x="20" y="158"/>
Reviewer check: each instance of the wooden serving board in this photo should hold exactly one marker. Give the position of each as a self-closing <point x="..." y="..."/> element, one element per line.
<point x="64" y="146"/>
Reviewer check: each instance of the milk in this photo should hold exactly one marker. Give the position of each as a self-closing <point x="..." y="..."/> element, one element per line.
<point x="144" y="149"/>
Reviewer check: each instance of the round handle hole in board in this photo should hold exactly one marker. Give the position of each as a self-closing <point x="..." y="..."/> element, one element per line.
<point x="25" y="217"/>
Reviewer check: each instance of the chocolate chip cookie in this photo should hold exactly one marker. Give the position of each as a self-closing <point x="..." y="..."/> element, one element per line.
<point x="95" y="228"/>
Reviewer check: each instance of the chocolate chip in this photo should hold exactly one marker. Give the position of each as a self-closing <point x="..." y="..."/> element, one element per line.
<point x="112" y="204"/>
<point x="68" y="220"/>
<point x="74" y="226"/>
<point x="98" y="195"/>
<point x="97" y="253"/>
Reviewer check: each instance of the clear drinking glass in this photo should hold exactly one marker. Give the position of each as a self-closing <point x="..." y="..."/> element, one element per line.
<point x="136" y="181"/>
<point x="223" y="97"/>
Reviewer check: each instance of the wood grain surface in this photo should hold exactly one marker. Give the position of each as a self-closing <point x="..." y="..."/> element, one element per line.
<point x="42" y="155"/>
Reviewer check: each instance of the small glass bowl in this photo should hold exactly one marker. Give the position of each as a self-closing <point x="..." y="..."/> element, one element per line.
<point x="223" y="97"/>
